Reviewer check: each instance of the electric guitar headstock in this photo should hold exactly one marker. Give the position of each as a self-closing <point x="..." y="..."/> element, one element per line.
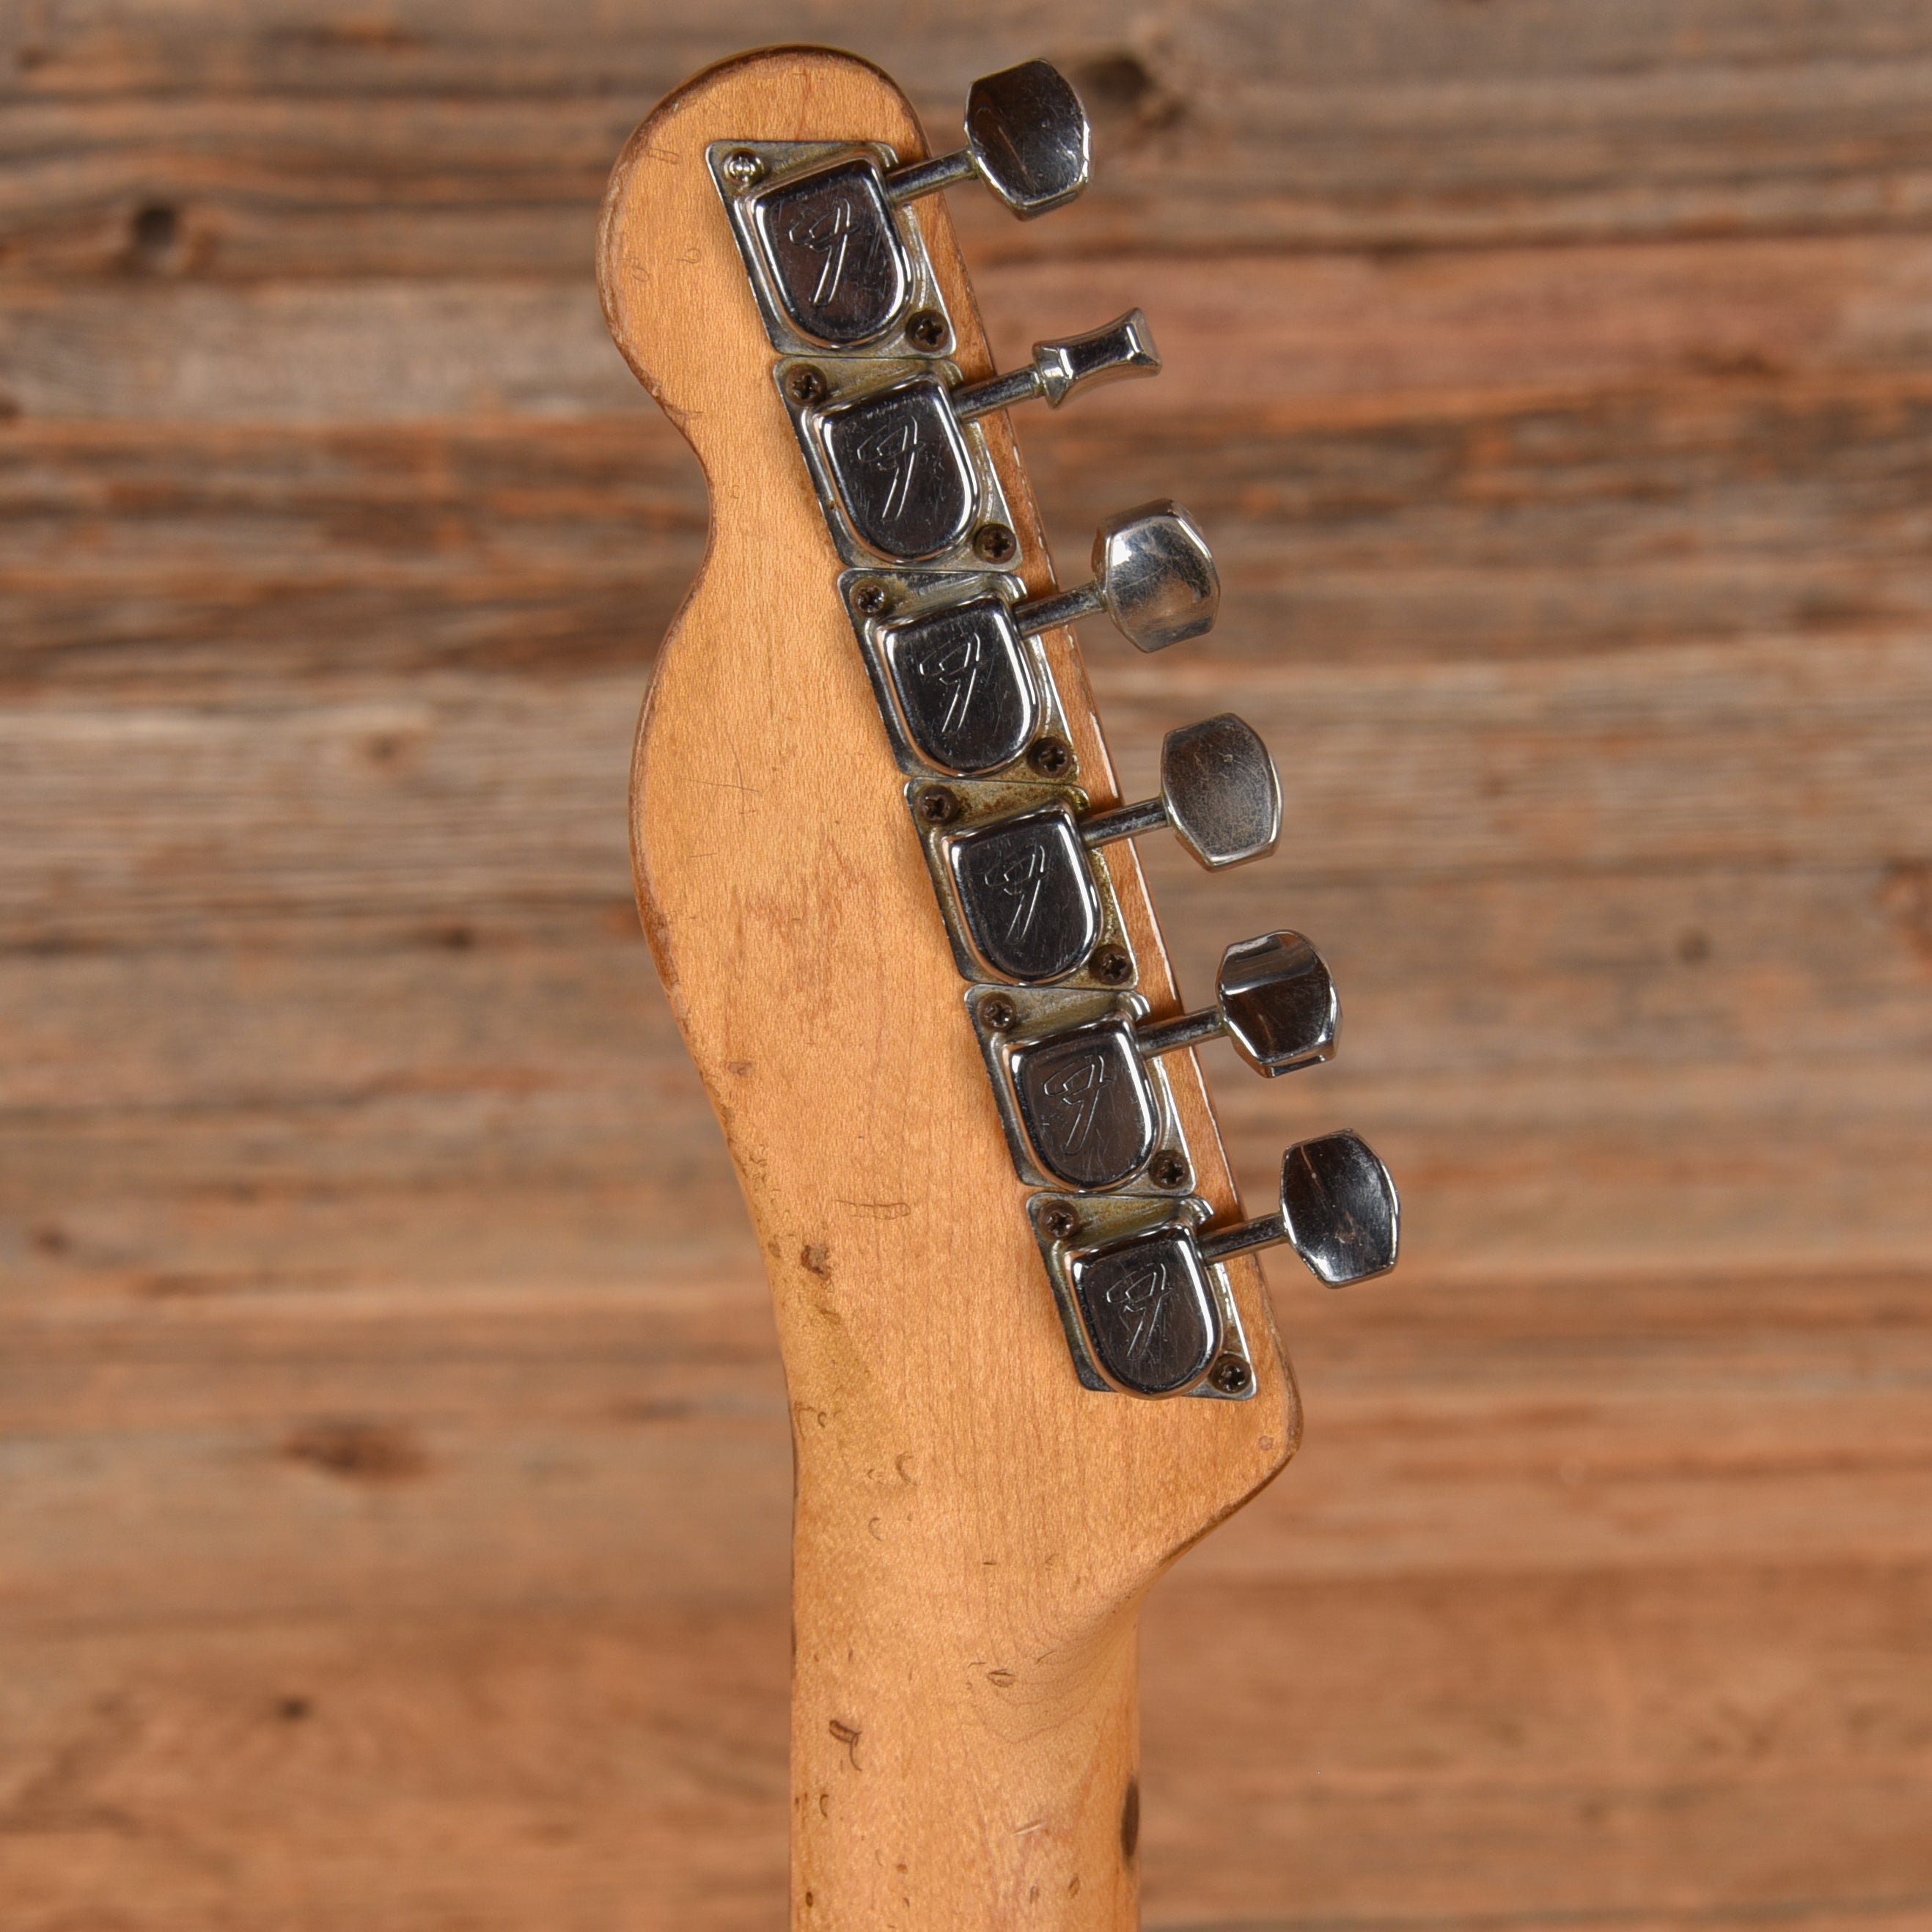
<point x="891" y="890"/>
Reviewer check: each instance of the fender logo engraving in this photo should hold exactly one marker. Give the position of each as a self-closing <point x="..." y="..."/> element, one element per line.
<point x="1141" y="1300"/>
<point x="826" y="233"/>
<point x="1078" y="1088"/>
<point x="1020" y="880"/>
<point x="955" y="669"/>
<point x="892" y="450"/>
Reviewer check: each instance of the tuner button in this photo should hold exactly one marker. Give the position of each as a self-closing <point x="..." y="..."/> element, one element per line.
<point x="1339" y="1208"/>
<point x="1121" y="348"/>
<point x="1222" y="798"/>
<point x="1027" y="134"/>
<point x="1278" y="1003"/>
<point x="1154" y="568"/>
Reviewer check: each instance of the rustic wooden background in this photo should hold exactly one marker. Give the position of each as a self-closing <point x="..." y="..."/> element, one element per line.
<point x="392" y="1527"/>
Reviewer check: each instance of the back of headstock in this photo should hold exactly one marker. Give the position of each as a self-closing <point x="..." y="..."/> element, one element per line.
<point x="892" y="891"/>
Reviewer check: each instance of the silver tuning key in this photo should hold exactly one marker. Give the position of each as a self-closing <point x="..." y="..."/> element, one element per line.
<point x="1086" y="1104"/>
<point x="1026" y="138"/>
<point x="1149" y="1319"/>
<point x="1338" y="1211"/>
<point x="967" y="687"/>
<point x="1152" y="574"/>
<point x="1218" y="794"/>
<point x="1025" y="893"/>
<point x="897" y="457"/>
<point x="823" y="226"/>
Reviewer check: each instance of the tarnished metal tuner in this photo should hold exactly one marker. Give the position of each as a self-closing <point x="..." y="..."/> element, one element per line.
<point x="1339" y="1210"/>
<point x="897" y="457"/>
<point x="962" y="675"/>
<point x="839" y="265"/>
<point x="1086" y="1104"/>
<point x="1026" y="894"/>
<point x="1148" y="1316"/>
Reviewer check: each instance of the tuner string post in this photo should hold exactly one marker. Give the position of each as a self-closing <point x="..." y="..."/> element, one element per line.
<point x="912" y="180"/>
<point x="1189" y="1029"/>
<point x="1036" y="614"/>
<point x="1263" y="1232"/>
<point x="1125" y="821"/>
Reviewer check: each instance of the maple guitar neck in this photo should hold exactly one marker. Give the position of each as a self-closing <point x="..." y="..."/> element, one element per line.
<point x="982" y="1502"/>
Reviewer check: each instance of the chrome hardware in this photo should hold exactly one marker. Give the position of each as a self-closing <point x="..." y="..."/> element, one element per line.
<point x="1275" y="1000"/>
<point x="819" y="222"/>
<point x="895" y="459"/>
<point x="960" y="681"/>
<point x="1122" y="348"/>
<point x="1338" y="1208"/>
<point x="1145" y="1314"/>
<point x="1022" y="901"/>
<point x="1152" y="574"/>
<point x="1083" y="1106"/>
<point x="1218" y="794"/>
<point x="1026" y="139"/>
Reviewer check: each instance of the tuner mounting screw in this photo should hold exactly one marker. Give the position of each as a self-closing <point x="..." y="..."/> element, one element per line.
<point x="936" y="805"/>
<point x="1168" y="1170"/>
<point x="998" y="1014"/>
<point x="805" y="385"/>
<point x="741" y="168"/>
<point x="927" y="330"/>
<point x="1061" y="1221"/>
<point x="870" y="598"/>
<point x="994" y="543"/>
<point x="1112" y="965"/>
<point x="1051" y="757"/>
<point x="1231" y="1376"/>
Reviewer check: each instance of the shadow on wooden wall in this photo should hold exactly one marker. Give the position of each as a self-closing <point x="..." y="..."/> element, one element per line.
<point x="393" y="1531"/>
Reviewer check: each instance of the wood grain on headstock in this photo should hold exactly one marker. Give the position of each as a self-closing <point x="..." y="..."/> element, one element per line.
<point x="974" y="1531"/>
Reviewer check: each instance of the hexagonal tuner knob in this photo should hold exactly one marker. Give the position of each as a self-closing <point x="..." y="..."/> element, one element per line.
<point x="1026" y="138"/>
<point x="1339" y="1210"/>
<point x="1218" y="792"/>
<point x="1276" y="1001"/>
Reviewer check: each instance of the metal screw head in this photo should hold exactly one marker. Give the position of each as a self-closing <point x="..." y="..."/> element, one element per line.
<point x="1231" y="1375"/>
<point x="1061" y="1221"/>
<point x="998" y="1013"/>
<point x="1051" y="757"/>
<point x="1168" y="1169"/>
<point x="1112" y="965"/>
<point x="927" y="330"/>
<point x="805" y="385"/>
<point x="994" y="543"/>
<point x="741" y="168"/>
<point x="870" y="598"/>
<point x="936" y="805"/>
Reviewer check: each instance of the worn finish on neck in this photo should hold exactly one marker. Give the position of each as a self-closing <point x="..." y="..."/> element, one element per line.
<point x="974" y="1531"/>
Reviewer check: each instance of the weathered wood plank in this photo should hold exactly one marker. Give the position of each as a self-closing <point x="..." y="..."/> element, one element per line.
<point x="1268" y="333"/>
<point x="337" y="148"/>
<point x="148" y="557"/>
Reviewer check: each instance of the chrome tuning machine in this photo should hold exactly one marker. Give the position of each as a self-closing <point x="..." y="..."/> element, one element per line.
<point x="1142" y="1306"/>
<point x="968" y="693"/>
<point x="1024" y="890"/>
<point x="1083" y="1106"/>
<point x="820" y="221"/>
<point x="895" y="458"/>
